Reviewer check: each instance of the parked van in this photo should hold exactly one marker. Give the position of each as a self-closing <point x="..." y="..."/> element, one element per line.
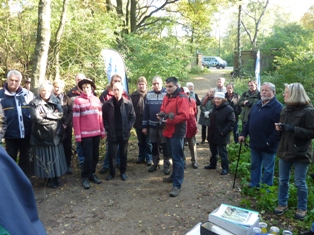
<point x="213" y="61"/>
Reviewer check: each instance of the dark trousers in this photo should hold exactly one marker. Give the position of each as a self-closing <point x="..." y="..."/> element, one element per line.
<point x="223" y="153"/>
<point x="13" y="146"/>
<point x="112" y="151"/>
<point x="67" y="145"/>
<point x="90" y="148"/>
<point x="144" y="146"/>
<point x="204" y="133"/>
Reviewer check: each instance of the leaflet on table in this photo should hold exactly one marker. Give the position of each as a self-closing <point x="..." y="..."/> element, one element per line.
<point x="236" y="215"/>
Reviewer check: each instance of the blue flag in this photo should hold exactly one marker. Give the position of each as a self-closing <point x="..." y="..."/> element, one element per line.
<point x="114" y="64"/>
<point x="257" y="70"/>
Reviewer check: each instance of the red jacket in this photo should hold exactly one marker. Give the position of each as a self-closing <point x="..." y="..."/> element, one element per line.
<point x="178" y="104"/>
<point x="191" y="125"/>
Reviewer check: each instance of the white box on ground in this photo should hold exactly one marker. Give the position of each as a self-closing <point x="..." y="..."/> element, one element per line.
<point x="236" y="220"/>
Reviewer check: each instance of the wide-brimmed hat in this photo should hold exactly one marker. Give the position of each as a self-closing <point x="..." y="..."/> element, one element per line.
<point x="86" y="80"/>
<point x="220" y="95"/>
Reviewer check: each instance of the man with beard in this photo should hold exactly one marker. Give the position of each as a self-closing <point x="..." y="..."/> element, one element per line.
<point x="264" y="138"/>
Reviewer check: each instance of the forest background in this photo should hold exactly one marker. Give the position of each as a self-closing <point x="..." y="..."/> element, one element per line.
<point x="48" y="39"/>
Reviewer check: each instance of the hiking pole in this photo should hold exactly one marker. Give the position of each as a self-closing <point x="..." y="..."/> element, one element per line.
<point x="236" y="171"/>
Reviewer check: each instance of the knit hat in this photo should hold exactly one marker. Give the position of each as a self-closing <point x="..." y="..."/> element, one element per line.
<point x="189" y="84"/>
<point x="186" y="90"/>
<point x="220" y="95"/>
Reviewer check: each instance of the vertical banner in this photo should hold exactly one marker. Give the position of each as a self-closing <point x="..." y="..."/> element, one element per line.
<point x="114" y="64"/>
<point x="257" y="70"/>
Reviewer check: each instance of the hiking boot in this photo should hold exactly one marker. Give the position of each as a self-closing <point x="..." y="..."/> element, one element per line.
<point x="166" y="171"/>
<point x="174" y="192"/>
<point x="168" y="179"/>
<point x="300" y="214"/>
<point x="280" y="210"/>
<point x="153" y="168"/>
<point x="103" y="170"/>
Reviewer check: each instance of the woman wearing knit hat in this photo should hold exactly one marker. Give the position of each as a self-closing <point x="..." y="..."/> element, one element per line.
<point x="222" y="121"/>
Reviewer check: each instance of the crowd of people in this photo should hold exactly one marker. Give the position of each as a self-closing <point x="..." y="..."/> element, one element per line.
<point x="164" y="118"/>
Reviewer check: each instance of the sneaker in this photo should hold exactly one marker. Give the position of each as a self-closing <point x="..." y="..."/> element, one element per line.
<point x="174" y="192"/>
<point x="103" y="170"/>
<point x="168" y="179"/>
<point x="280" y="210"/>
<point x="300" y="214"/>
<point x="149" y="163"/>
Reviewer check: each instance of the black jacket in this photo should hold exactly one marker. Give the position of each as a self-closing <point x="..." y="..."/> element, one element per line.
<point x="47" y="129"/>
<point x="222" y="121"/>
<point x="138" y="101"/>
<point x="127" y="114"/>
<point x="297" y="145"/>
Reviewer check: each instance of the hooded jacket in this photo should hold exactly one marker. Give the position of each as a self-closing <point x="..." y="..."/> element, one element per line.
<point x="178" y="104"/>
<point x="297" y="145"/>
<point x="253" y="98"/>
<point x="17" y="200"/>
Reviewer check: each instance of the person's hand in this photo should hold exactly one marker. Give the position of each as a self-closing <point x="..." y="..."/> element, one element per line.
<point x="206" y="114"/>
<point x="287" y="127"/>
<point x="241" y="139"/>
<point x="278" y="126"/>
<point x="144" y="131"/>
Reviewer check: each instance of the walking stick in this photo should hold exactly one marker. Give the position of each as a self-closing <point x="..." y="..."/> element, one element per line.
<point x="236" y="171"/>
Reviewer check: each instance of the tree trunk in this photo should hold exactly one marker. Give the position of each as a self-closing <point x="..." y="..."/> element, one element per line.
<point x="239" y="40"/>
<point x="133" y="16"/>
<point x="42" y="42"/>
<point x="58" y="39"/>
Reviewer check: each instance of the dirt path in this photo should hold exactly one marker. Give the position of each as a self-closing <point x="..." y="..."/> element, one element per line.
<point x="141" y="205"/>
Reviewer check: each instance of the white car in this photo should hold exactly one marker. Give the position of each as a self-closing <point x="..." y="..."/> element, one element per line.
<point x="213" y="61"/>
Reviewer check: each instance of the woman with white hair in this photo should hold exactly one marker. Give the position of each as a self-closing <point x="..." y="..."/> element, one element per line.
<point x="47" y="132"/>
<point x="193" y="95"/>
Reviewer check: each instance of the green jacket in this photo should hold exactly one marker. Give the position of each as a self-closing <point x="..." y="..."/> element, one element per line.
<point x="252" y="98"/>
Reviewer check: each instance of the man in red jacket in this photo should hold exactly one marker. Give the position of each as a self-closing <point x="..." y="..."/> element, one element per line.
<point x="174" y="112"/>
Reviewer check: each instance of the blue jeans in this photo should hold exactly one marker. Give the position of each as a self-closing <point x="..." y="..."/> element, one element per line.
<point x="175" y="149"/>
<point x="300" y="170"/>
<point x="262" y="161"/>
<point x="144" y="146"/>
<point x="79" y="152"/>
<point x="223" y="153"/>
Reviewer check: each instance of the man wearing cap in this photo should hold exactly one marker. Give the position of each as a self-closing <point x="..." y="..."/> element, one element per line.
<point x="222" y="121"/>
<point x="15" y="119"/>
<point x="88" y="129"/>
<point x="138" y="101"/>
<point x="175" y="108"/>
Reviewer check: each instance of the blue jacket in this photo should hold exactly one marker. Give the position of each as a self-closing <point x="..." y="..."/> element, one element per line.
<point x="17" y="200"/>
<point x="15" y="114"/>
<point x="261" y="126"/>
<point x="153" y="103"/>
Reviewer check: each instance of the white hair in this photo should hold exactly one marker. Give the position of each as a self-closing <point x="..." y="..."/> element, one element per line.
<point x="189" y="84"/>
